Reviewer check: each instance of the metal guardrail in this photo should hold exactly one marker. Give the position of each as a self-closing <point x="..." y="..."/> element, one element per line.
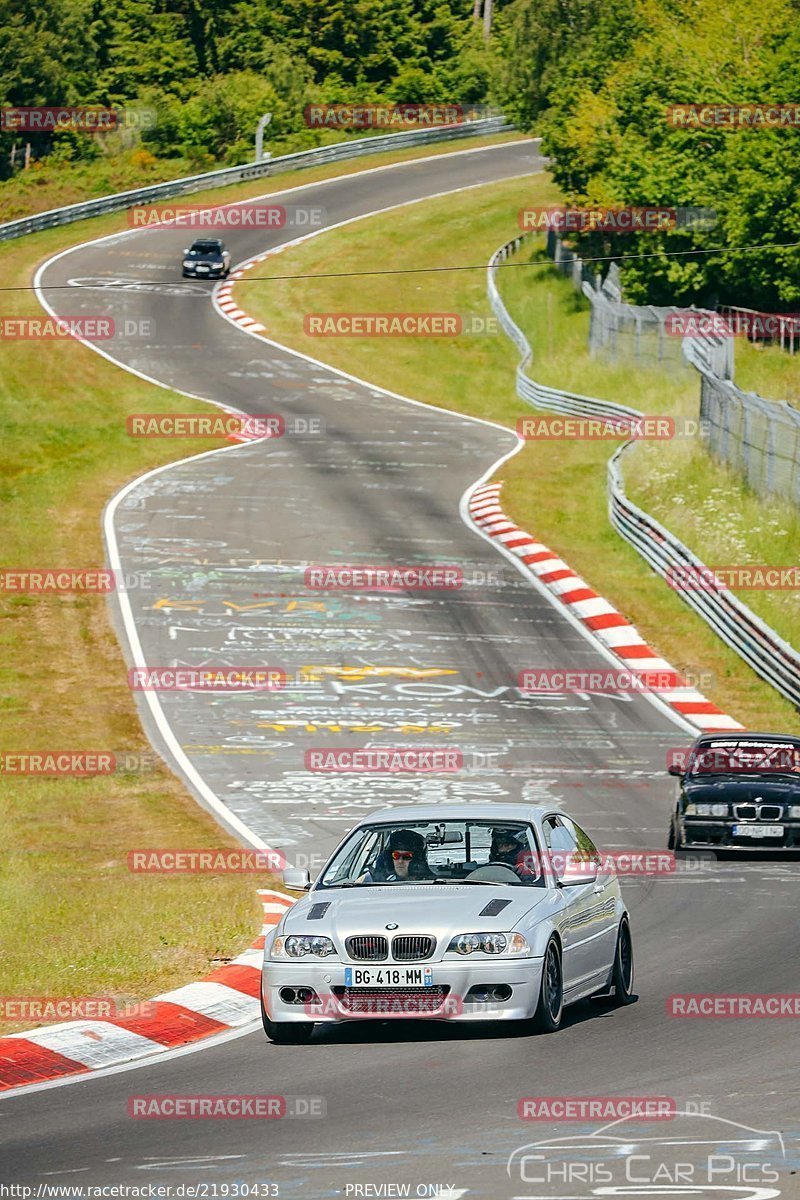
<point x="320" y="155"/>
<point x="572" y="403"/>
<point x="759" y="645"/>
<point x="737" y="625"/>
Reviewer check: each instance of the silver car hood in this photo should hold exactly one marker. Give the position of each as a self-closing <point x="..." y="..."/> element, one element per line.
<point x="440" y="909"/>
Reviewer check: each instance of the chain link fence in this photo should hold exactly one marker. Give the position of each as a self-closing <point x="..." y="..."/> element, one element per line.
<point x="732" y="620"/>
<point x="758" y="438"/>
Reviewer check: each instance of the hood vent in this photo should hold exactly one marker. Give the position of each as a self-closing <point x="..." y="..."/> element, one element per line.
<point x="493" y="908"/>
<point x="317" y="911"/>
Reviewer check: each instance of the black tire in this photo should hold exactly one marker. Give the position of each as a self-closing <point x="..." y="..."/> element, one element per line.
<point x="623" y="972"/>
<point x="674" y="838"/>
<point x="550" y="1009"/>
<point x="286" y="1033"/>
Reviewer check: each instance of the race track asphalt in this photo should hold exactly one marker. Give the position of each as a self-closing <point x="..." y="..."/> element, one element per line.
<point x="225" y="540"/>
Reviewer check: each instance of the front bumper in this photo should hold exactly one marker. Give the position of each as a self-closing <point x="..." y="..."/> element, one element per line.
<point x="456" y="980"/>
<point x="716" y="833"/>
<point x="211" y="273"/>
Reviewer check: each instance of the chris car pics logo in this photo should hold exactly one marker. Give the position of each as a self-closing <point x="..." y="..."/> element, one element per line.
<point x="694" y="1154"/>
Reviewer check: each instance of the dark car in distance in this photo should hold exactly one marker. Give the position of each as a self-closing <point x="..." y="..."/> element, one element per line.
<point x="206" y="258"/>
<point x="738" y="791"/>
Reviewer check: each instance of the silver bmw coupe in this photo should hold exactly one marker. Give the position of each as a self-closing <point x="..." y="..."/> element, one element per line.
<point x="460" y="913"/>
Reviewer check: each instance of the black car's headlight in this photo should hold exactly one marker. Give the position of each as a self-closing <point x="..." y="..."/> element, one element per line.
<point x="300" y="945"/>
<point x="489" y="943"/>
<point x="794" y="812"/>
<point x="188" y="262"/>
<point x="693" y="809"/>
<point x="215" y="265"/>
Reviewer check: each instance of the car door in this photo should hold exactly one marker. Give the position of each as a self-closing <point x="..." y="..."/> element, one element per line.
<point x="585" y="930"/>
<point x="605" y="892"/>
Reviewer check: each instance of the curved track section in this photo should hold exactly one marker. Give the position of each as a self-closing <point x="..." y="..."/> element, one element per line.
<point x="226" y="537"/>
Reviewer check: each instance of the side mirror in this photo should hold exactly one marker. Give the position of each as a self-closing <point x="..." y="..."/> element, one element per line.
<point x="297" y="879"/>
<point x="572" y="870"/>
<point x="674" y="769"/>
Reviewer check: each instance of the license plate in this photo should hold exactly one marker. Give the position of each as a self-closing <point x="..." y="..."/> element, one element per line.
<point x="388" y="976"/>
<point x="758" y="831"/>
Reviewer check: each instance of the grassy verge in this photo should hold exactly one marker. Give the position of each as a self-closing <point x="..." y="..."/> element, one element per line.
<point x="556" y="492"/>
<point x="94" y="928"/>
<point x="768" y="370"/>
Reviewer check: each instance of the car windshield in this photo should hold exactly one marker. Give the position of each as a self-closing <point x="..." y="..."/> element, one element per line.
<point x="746" y="757"/>
<point x="206" y="248"/>
<point x="439" y="852"/>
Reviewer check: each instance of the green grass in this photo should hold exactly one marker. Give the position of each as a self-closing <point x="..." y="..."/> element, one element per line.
<point x="65" y="888"/>
<point x="707" y="506"/>
<point x="771" y="372"/>
<point x="557" y="492"/>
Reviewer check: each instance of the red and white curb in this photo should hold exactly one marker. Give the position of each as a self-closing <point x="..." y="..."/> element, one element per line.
<point x="224" y="298"/>
<point x="223" y="1000"/>
<point x="598" y="616"/>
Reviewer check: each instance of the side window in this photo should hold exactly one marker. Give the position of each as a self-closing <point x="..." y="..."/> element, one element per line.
<point x="558" y="836"/>
<point x="585" y="844"/>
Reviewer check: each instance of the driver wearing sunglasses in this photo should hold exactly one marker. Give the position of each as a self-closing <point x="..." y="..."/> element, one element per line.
<point x="403" y="858"/>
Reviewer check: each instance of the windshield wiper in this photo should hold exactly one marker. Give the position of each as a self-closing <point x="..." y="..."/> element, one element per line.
<point x="485" y="882"/>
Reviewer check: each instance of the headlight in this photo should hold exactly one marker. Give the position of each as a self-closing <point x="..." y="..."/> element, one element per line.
<point x="706" y="810"/>
<point x="218" y="264"/>
<point x="794" y="812"/>
<point x="489" y="943"/>
<point x="298" y="945"/>
<point x="188" y="262"/>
